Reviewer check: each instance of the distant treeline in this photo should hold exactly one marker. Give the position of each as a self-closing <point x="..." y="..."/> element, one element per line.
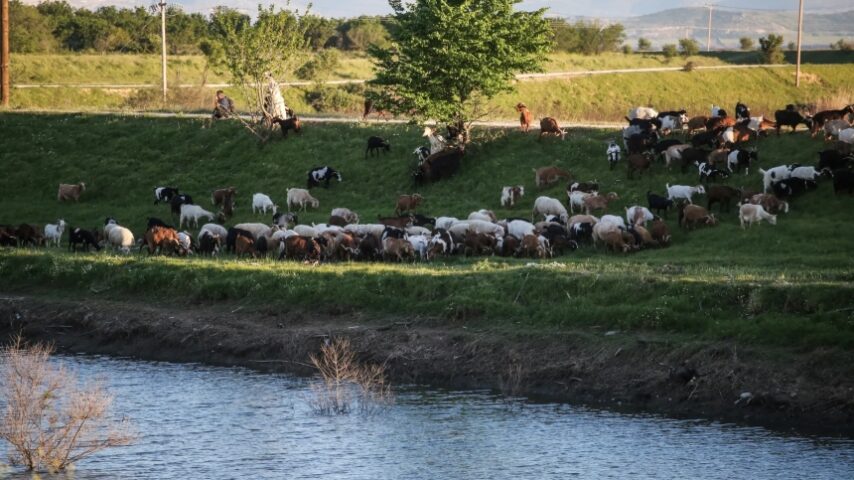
<point x="56" y="26"/>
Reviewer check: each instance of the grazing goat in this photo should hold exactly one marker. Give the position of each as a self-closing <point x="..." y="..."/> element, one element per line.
<point x="588" y="187"/>
<point x="549" y="206"/>
<point x="660" y="232"/>
<point x="53" y="232"/>
<point x="223" y="196"/>
<point x="79" y="236"/>
<point x="164" y="194"/>
<point x="658" y="203"/>
<point x="576" y="199"/>
<point x="262" y="202"/>
<point x="348" y="215"/>
<point x="638" y="162"/>
<point x="598" y="202"/>
<point x="407" y="203"/>
<point x="770" y="203"/>
<point x="643" y="113"/>
<point x="674" y="153"/>
<point x="677" y="192"/>
<point x="750" y="214"/>
<point x="692" y="215"/>
<point x="776" y="174"/>
<point x="549" y="126"/>
<point x="301" y="198"/>
<point x="791" y="118"/>
<point x="820" y="118"/>
<point x="443" y="164"/>
<point x="119" y="237"/>
<point x="178" y="201"/>
<point x="525" y="117"/>
<point x="738" y="159"/>
<point x="377" y="145"/>
<point x="70" y="192"/>
<point x="193" y="213"/>
<point x="638" y="215"/>
<point x="710" y="173"/>
<point x="724" y="195"/>
<point x="318" y="175"/>
<point x="546" y="176"/>
<point x="483" y="215"/>
<point x="159" y="239"/>
<point x="511" y="195"/>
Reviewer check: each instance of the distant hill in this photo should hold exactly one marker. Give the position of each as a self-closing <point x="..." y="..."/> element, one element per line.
<point x="667" y="26"/>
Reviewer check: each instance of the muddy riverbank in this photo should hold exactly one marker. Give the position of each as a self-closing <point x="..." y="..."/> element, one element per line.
<point x="782" y="389"/>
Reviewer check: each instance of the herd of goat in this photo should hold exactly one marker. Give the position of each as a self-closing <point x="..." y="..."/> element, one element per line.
<point x="716" y="148"/>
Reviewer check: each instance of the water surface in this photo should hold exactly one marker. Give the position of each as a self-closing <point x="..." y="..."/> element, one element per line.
<point x="200" y="422"/>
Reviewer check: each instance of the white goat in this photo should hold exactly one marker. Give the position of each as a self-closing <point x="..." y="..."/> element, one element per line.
<point x="445" y="222"/>
<point x="775" y="174"/>
<point x="119" y="237"/>
<point x="644" y="113"/>
<point x="509" y="195"/>
<point x="576" y="199"/>
<point x="345" y="213"/>
<point x="751" y="214"/>
<point x="53" y="233"/>
<point x="549" y="206"/>
<point x="215" y="229"/>
<point x="261" y="202"/>
<point x="684" y="192"/>
<point x="193" y="213"/>
<point x="300" y="197"/>
<point x="638" y="215"/>
<point x="257" y="230"/>
<point x="437" y="142"/>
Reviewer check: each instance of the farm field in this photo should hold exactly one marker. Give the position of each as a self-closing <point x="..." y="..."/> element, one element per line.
<point x="789" y="285"/>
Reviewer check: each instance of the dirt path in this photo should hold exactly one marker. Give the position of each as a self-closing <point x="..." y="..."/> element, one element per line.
<point x="522" y="77"/>
<point x="781" y="389"/>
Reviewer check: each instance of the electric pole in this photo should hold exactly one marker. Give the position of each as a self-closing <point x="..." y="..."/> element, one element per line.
<point x="162" y="7"/>
<point x="4" y="53"/>
<point x="800" y="33"/>
<point x="709" y="37"/>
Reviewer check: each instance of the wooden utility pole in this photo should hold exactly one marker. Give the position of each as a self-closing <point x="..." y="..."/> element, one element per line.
<point x="800" y="33"/>
<point x="162" y="6"/>
<point x="4" y="53"/>
<point x="709" y="37"/>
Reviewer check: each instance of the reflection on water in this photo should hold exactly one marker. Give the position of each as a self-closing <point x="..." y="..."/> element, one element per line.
<point x="199" y="422"/>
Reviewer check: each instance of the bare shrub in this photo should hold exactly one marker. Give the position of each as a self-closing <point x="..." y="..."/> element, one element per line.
<point x="49" y="418"/>
<point x="510" y="382"/>
<point x="343" y="382"/>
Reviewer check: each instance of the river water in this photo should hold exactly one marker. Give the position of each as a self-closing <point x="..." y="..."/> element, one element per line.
<point x="200" y="422"/>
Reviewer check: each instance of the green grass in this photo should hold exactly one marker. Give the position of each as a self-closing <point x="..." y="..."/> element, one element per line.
<point x="784" y="285"/>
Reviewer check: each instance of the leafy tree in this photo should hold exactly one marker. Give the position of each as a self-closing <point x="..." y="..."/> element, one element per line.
<point x="589" y="38"/>
<point x="689" y="47"/>
<point x="627" y="49"/>
<point x="644" y="45"/>
<point x="447" y="57"/>
<point x="772" y="48"/>
<point x="669" y="51"/>
<point x="30" y="31"/>
<point x="321" y="66"/>
<point x="361" y="33"/>
<point x="746" y="43"/>
<point x="252" y="53"/>
<point x="321" y="32"/>
<point x="842" y="45"/>
<point x="791" y="46"/>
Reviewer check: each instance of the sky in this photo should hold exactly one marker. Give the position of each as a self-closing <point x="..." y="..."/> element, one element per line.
<point x="598" y="8"/>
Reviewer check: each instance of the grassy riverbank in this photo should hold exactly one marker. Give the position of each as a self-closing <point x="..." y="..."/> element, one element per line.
<point x="789" y="285"/>
<point x="599" y="97"/>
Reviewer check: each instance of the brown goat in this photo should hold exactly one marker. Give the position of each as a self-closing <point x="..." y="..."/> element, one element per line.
<point x="407" y="203"/>
<point x="647" y="240"/>
<point x="244" y="246"/>
<point x="697" y="123"/>
<point x="599" y="202"/>
<point x="722" y="194"/>
<point x="397" y="222"/>
<point x="70" y="192"/>
<point x="397" y="249"/>
<point x="638" y="162"/>
<point x="218" y="197"/>
<point x="159" y="239"/>
<point x="549" y="126"/>
<point x="770" y="203"/>
<point x="530" y="246"/>
<point x="525" y="117"/>
<point x="301" y="248"/>
<point x="615" y="241"/>
<point x="693" y="215"/>
<point x="660" y="232"/>
<point x="718" y="158"/>
<point x="479" y="244"/>
<point x="546" y="176"/>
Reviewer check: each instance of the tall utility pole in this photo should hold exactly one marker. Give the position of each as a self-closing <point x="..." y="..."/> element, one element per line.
<point x="800" y="32"/>
<point x="4" y="53"/>
<point x="162" y="6"/>
<point x="709" y="37"/>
